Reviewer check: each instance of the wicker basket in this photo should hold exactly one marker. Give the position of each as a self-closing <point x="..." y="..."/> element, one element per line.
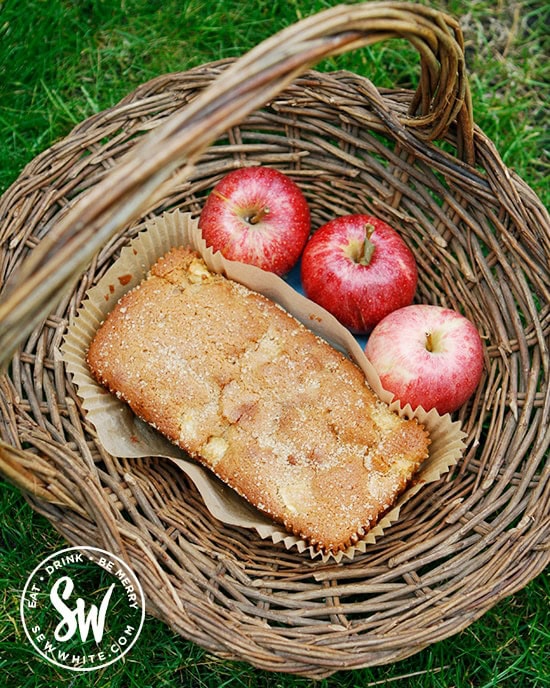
<point x="482" y="242"/>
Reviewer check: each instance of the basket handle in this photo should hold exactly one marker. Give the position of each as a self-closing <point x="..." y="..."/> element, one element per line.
<point x="442" y="99"/>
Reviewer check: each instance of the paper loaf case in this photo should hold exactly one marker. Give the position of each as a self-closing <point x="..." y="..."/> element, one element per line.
<point x="122" y="434"/>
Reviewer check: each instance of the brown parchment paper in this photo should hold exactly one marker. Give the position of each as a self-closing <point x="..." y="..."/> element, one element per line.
<point x="122" y="434"/>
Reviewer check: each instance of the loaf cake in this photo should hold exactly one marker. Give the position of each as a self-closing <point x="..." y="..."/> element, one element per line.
<point x="245" y="389"/>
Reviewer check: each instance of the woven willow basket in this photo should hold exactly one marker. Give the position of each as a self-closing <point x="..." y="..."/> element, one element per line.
<point x="482" y="241"/>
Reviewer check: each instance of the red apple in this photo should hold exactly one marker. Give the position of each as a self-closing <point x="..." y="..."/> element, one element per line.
<point x="427" y="356"/>
<point x="257" y="215"/>
<point x="359" y="269"/>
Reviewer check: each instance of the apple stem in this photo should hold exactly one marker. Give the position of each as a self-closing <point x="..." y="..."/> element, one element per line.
<point x="364" y="256"/>
<point x="429" y="341"/>
<point x="258" y="216"/>
<point x="255" y="216"/>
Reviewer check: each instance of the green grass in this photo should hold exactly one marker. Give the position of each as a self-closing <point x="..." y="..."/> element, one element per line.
<point x="63" y="60"/>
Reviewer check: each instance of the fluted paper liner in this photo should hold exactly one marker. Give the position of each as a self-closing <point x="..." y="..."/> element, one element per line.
<point x="122" y="434"/>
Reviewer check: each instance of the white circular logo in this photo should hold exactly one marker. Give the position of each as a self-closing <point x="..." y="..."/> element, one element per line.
<point x="82" y="608"/>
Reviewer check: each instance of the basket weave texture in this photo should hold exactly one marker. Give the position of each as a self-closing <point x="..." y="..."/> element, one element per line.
<point x="481" y="238"/>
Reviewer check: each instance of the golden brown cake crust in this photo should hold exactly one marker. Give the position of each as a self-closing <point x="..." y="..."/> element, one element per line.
<point x="271" y="409"/>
